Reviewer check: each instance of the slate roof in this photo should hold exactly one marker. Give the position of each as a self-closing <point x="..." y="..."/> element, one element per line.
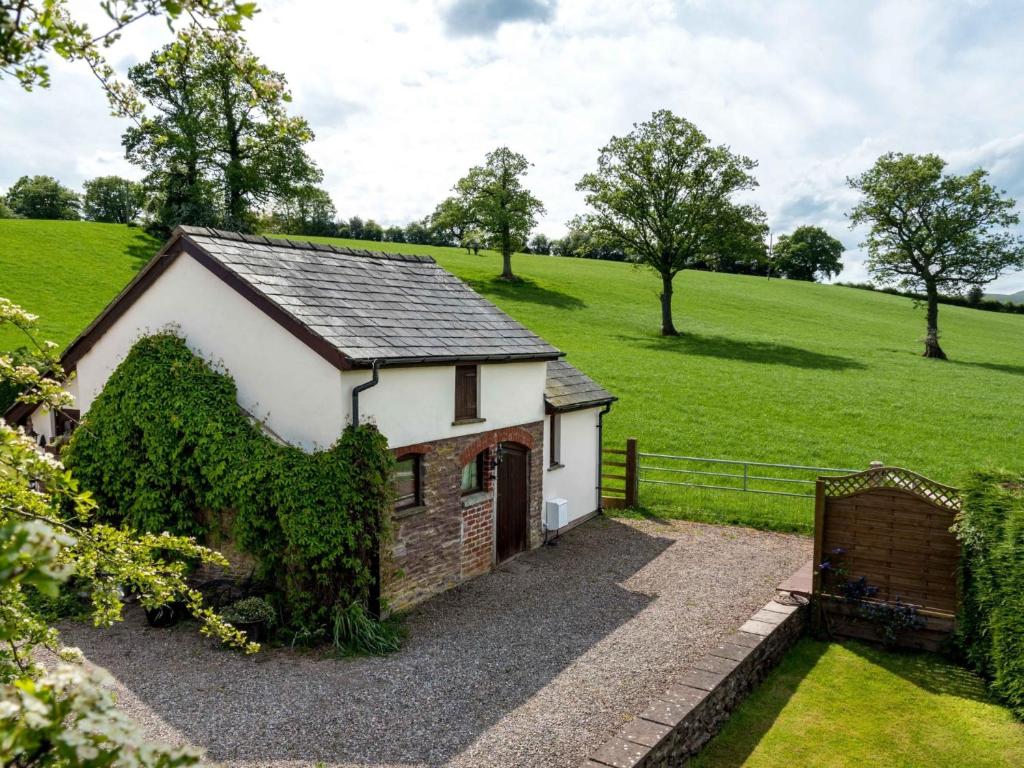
<point x="568" y="388"/>
<point x="397" y="309"/>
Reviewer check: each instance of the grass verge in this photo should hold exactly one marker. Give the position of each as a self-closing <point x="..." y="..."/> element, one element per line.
<point x="853" y="705"/>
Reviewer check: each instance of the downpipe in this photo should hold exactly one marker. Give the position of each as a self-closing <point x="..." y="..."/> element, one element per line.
<point x="375" y="603"/>
<point x="374" y="380"/>
<point x="600" y="457"/>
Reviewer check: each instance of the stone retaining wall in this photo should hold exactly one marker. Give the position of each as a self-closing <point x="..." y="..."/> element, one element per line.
<point x="683" y="719"/>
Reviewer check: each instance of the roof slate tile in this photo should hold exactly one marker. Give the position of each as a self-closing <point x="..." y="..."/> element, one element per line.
<point x="568" y="388"/>
<point x="372" y="305"/>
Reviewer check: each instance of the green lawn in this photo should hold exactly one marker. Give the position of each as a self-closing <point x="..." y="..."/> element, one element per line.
<point x="66" y="271"/>
<point x="775" y="371"/>
<point x="857" y="706"/>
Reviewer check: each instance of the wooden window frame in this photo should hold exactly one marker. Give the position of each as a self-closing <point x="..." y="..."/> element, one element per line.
<point x="479" y="461"/>
<point x="467" y="396"/>
<point x="417" y="475"/>
<point x="555" y="441"/>
<point x="65" y="421"/>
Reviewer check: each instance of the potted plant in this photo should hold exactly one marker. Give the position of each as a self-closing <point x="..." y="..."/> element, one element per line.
<point x="252" y="615"/>
<point x="163" y="616"/>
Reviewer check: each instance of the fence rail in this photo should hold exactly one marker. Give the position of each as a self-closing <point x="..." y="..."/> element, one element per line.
<point x="745" y="480"/>
<point x="707" y="483"/>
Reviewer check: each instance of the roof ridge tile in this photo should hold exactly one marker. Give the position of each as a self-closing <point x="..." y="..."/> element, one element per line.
<point x="303" y="245"/>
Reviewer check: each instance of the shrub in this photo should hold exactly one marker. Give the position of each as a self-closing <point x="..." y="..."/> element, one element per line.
<point x="248" y="610"/>
<point x="990" y="628"/>
<point x="165" y="444"/>
<point x="355" y="631"/>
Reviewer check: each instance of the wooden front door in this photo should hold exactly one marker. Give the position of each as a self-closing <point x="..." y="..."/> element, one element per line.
<point x="513" y="501"/>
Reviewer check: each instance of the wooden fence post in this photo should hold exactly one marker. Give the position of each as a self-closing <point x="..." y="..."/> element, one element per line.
<point x="632" y="473"/>
<point x="819" y="533"/>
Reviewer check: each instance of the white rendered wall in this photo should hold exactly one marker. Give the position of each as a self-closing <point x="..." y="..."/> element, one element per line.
<point x="280" y="380"/>
<point x="42" y="423"/>
<point x="576" y="479"/>
<point x="41" y="419"/>
<point x="417" y="404"/>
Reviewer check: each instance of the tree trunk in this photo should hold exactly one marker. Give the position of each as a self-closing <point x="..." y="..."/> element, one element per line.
<point x="234" y="201"/>
<point x="668" y="328"/>
<point x="931" y="339"/>
<point x="506" y="257"/>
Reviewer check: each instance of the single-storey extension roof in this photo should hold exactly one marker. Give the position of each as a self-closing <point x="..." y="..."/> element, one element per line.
<point x="569" y="389"/>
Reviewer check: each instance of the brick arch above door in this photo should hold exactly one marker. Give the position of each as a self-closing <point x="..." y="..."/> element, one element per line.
<point x="491" y="439"/>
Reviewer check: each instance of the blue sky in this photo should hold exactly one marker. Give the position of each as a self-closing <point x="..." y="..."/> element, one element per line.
<point x="405" y="96"/>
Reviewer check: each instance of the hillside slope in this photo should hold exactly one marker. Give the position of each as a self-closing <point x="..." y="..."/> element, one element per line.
<point x="66" y="271"/>
<point x="766" y="370"/>
<point x="1013" y="298"/>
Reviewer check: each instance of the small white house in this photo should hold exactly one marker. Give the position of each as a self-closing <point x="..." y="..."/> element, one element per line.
<point x="497" y="438"/>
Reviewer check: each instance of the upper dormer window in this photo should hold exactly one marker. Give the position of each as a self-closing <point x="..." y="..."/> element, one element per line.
<point x="467" y="387"/>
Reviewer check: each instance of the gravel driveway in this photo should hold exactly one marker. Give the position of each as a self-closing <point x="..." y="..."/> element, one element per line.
<point x="531" y="665"/>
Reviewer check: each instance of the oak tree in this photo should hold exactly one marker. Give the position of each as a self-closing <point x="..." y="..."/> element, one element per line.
<point x="807" y="254"/>
<point x="451" y="219"/>
<point x="499" y="204"/>
<point x="42" y="197"/>
<point x="217" y="142"/>
<point x="934" y="232"/>
<point x="663" y="195"/>
<point x="112" y="199"/>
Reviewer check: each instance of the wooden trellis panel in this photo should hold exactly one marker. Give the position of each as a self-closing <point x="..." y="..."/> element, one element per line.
<point x="895" y="528"/>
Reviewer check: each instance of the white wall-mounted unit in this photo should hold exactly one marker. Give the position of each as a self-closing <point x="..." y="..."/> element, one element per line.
<point x="556" y="514"/>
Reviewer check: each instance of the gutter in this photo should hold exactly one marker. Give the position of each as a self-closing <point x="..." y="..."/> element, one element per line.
<point x="600" y="456"/>
<point x="374" y="380"/>
<point x="449" y="359"/>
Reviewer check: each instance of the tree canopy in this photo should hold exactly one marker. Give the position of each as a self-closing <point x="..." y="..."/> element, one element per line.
<point x="663" y="195"/>
<point x="499" y="204"/>
<point x="540" y="243"/>
<point x="934" y="232"/>
<point x="216" y="142"/>
<point x="42" y="197"/>
<point x="113" y="199"/>
<point x="807" y="254"/>
<point x="452" y="217"/>
<point x="308" y="211"/>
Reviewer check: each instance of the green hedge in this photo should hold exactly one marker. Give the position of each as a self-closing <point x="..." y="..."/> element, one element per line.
<point x="991" y="624"/>
<point x="165" y="446"/>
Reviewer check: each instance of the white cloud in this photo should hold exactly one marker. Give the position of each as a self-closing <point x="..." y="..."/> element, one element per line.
<point x="401" y="108"/>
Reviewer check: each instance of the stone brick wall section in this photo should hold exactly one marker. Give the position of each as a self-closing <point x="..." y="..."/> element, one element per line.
<point x="451" y="538"/>
<point x="477" y="538"/>
<point x="683" y="719"/>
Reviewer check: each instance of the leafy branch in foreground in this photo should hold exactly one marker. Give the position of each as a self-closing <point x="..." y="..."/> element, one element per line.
<point x="30" y="30"/>
<point x="48" y="535"/>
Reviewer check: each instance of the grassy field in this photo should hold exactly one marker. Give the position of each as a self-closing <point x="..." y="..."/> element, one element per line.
<point x="855" y="706"/>
<point x="66" y="271"/>
<point x="774" y="371"/>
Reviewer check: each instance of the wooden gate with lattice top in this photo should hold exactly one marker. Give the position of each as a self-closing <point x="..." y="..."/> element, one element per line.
<point x="891" y="527"/>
